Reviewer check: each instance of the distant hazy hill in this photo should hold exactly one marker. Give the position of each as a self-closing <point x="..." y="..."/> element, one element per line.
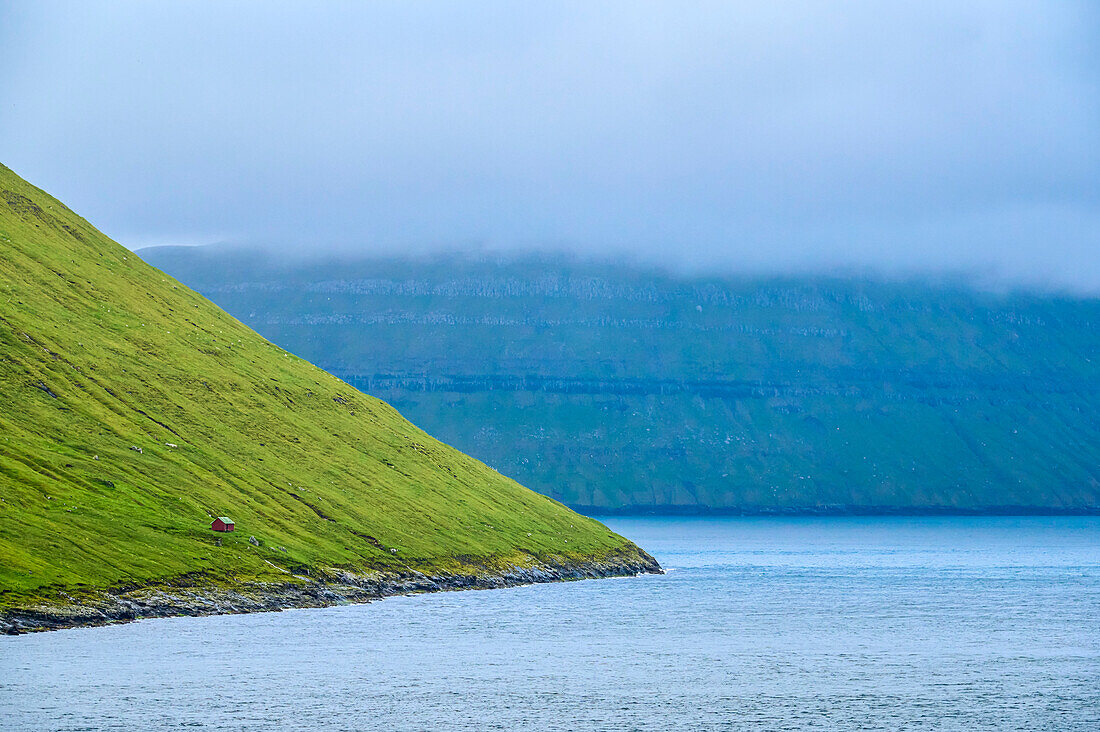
<point x="619" y="388"/>
<point x="134" y="411"/>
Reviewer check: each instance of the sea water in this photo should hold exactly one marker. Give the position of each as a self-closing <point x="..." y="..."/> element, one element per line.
<point x="837" y="623"/>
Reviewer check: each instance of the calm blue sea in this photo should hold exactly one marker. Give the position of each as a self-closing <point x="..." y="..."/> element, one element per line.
<point x="869" y="624"/>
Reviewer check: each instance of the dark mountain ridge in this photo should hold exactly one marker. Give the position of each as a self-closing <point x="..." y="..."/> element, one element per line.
<point x="617" y="388"/>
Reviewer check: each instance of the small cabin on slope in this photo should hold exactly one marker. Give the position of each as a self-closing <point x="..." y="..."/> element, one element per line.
<point x="221" y="523"/>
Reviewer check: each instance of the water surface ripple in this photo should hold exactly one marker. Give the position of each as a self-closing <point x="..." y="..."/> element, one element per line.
<point x="780" y="624"/>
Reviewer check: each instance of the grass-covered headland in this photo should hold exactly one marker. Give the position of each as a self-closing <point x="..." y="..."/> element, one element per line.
<point x="133" y="411"/>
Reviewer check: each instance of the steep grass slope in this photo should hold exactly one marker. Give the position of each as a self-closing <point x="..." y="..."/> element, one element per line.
<point x="134" y="411"/>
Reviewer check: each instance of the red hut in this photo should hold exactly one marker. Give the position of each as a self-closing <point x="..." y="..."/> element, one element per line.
<point x="221" y="523"/>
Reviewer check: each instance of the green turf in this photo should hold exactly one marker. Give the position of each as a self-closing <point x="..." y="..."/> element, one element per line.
<point x="134" y="411"/>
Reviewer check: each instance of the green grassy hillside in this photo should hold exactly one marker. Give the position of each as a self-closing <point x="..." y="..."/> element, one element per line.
<point x="614" y="387"/>
<point x="134" y="411"/>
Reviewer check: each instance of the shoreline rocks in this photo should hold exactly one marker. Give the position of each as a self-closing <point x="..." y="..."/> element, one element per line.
<point x="334" y="587"/>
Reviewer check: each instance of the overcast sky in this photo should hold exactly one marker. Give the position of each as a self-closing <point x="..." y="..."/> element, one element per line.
<point x="766" y="135"/>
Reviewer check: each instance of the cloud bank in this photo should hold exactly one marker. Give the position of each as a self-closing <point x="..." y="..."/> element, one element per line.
<point x="757" y="136"/>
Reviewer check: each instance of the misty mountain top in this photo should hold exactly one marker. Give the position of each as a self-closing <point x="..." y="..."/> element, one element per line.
<point x="285" y="264"/>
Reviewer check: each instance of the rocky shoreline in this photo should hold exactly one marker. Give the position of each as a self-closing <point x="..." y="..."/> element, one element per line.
<point x="332" y="587"/>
